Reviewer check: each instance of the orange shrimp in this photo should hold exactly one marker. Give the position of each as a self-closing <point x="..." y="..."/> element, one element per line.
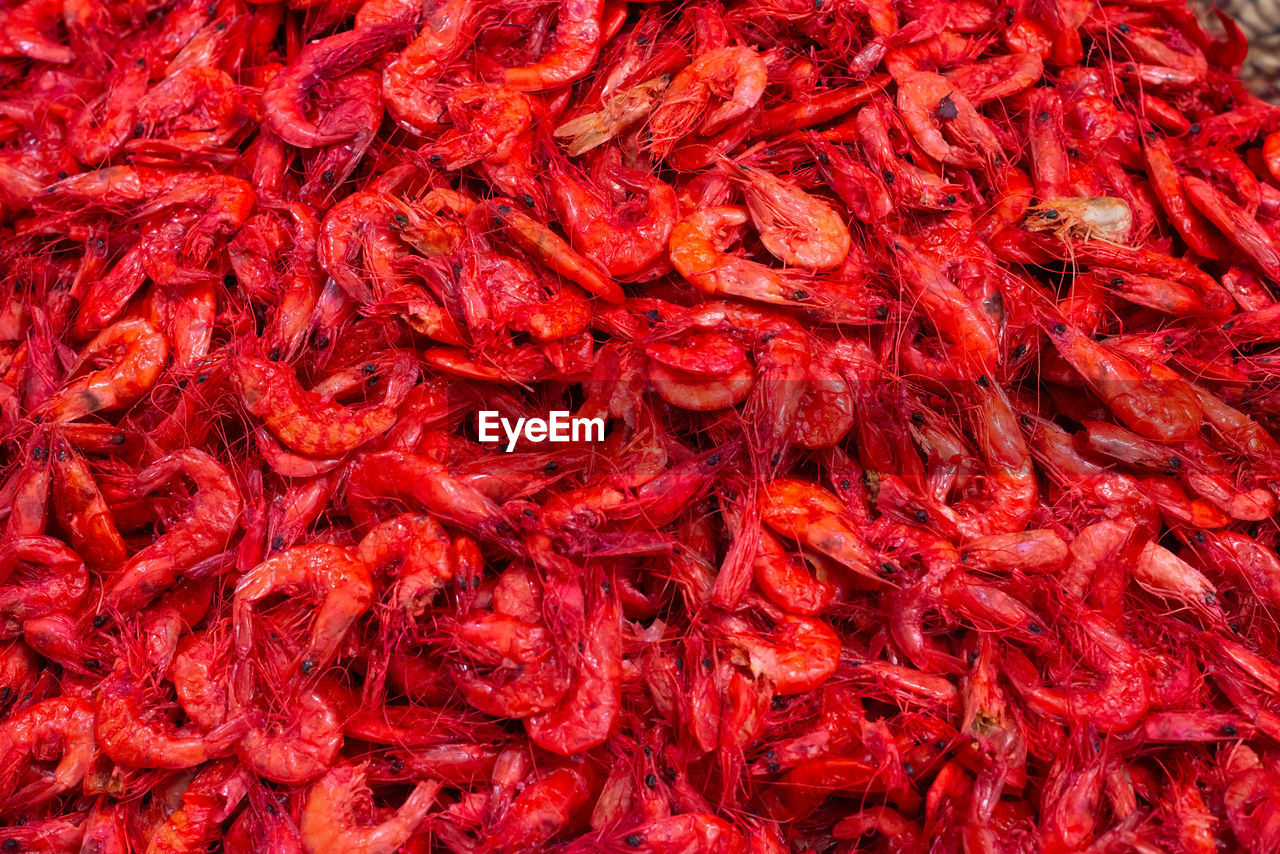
<point x="304" y="421"/>
<point x="621" y="109"/>
<point x="550" y="249"/>
<point x="333" y="574"/>
<point x="135" y="353"/>
<point x="797" y="655"/>
<point x="214" y="794"/>
<point x="399" y="476"/>
<point x="796" y="227"/>
<point x="299" y="749"/>
<point x="696" y="252"/>
<point x="818" y="520"/>
<point x="329" y="825"/>
<point x="82" y="510"/>
<point x="929" y="105"/>
<point x="204" y="529"/>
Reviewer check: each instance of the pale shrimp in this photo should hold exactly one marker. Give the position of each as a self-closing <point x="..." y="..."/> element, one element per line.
<point x="818" y="520"/>
<point x="203" y="530"/>
<point x="300" y="748"/>
<point x="1085" y="218"/>
<point x="622" y="220"/>
<point x="1121" y="698"/>
<point x="796" y="655"/>
<point x="330" y="573"/>
<point x="573" y="51"/>
<point x="621" y="109"/>
<point x="930" y="104"/>
<point x="583" y="718"/>
<point x="738" y="71"/>
<point x="797" y="228"/>
<point x="132" y="733"/>
<point x="304" y="421"/>
<point x="415" y="551"/>
<point x="420" y="480"/>
<point x="57" y="730"/>
<point x="409" y="81"/>
<point x="288" y="95"/>
<point x="696" y="251"/>
<point x="329" y="823"/>
<point x="135" y="353"/>
<point x="214" y="795"/>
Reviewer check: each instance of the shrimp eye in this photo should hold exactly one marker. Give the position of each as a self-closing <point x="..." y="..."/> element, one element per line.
<point x="100" y="621"/>
<point x="1173" y="463"/>
<point x="528" y="200"/>
<point x="651" y="780"/>
<point x="117" y="439"/>
<point x="774" y="767"/>
<point x="908" y="768"/>
<point x="274" y="355"/>
<point x="823" y="158"/>
<point x="1043" y="117"/>
<point x="1229" y="730"/>
<point x="799" y="295"/>
<point x="635" y="840"/>
<point x="1024" y="421"/>
<point x="652" y="315"/>
<point x="402" y="220"/>
<point x="706" y="662"/>
<point x="949" y="199"/>
<point x="308" y="666"/>
<point x="1059" y="329"/>
<point x="888" y="177"/>
<point x="435" y="158"/>
<point x="921" y="516"/>
<point x="845" y="484"/>
<point x="947" y="108"/>
<point x="39" y="454"/>
<point x="714" y="459"/>
<point x="139" y="129"/>
<point x="1123" y="28"/>
<point x="642" y="40"/>
<point x="1116" y="281"/>
<point x="881" y="312"/>
<point x="368" y="369"/>
<point x="11" y="844"/>
<point x="504" y="209"/>
<point x="1195" y="128"/>
<point x="983" y="382"/>
<point x="62" y="174"/>
<point x="551" y="466"/>
<point x="1050" y="214"/>
<point x="1200" y="537"/>
<point x="182" y="383"/>
<point x="775" y="459"/>
<point x="887" y="569"/>
<point x="277" y="542"/>
<point x="322" y="340"/>
<point x="917" y="418"/>
<point x="1035" y="628"/>
<point x="1019" y="351"/>
<point x="327" y="176"/>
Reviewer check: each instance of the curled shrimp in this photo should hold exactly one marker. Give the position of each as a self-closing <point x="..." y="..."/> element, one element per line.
<point x="929" y="105"/>
<point x="1121" y="698"/>
<point x="333" y="574"/>
<point x="574" y="49"/>
<point x="409" y="81"/>
<point x="738" y="71"/>
<point x="305" y="422"/>
<point x="130" y="732"/>
<point x="42" y="577"/>
<point x="796" y="227"/>
<point x="58" y="730"/>
<point x="621" y="109"/>
<point x="204" y="529"/>
<point x="328" y="823"/>
<point x="797" y="655"/>
<point x="135" y="352"/>
<point x="214" y="794"/>
<point x="287" y="96"/>
<point x="621" y="220"/>
<point x="299" y="749"/>
<point x="419" y="554"/>
<point x="697" y="253"/>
